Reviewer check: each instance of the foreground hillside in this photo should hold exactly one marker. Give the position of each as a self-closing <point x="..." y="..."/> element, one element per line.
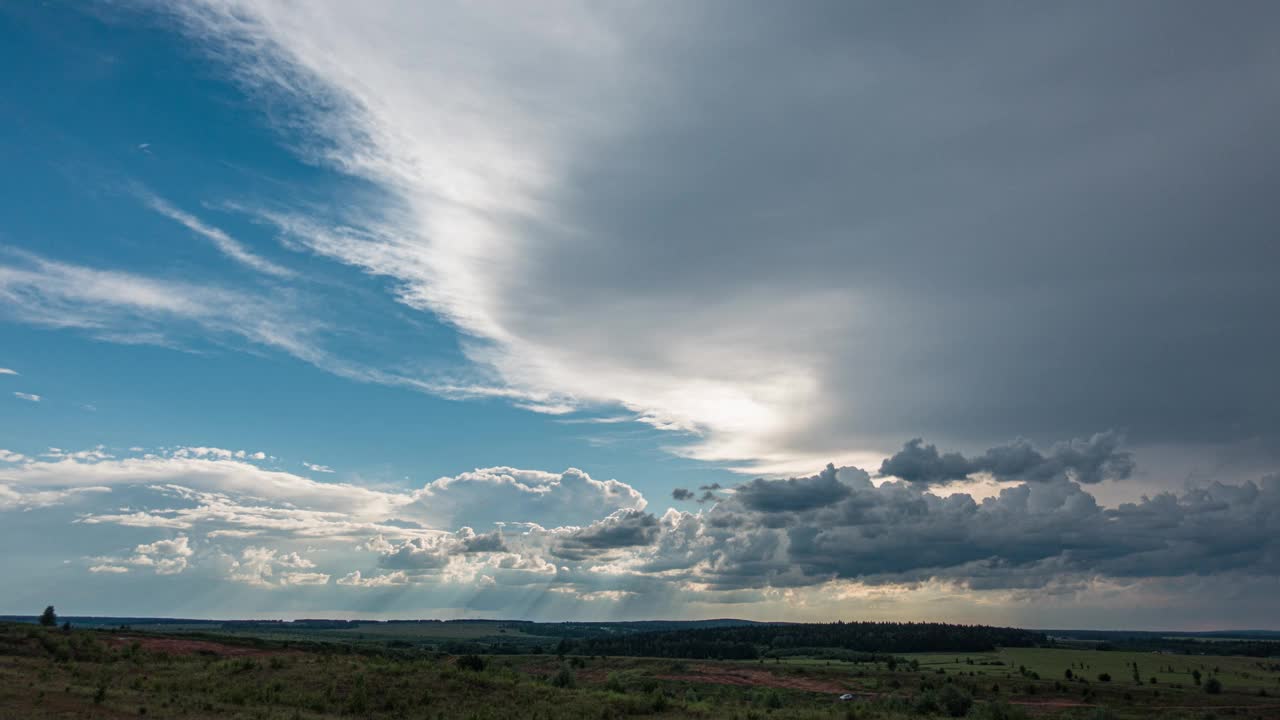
<point x="54" y="673"/>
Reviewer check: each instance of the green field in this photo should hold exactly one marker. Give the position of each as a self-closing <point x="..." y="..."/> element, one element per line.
<point x="1169" y="671"/>
<point x="51" y="673"/>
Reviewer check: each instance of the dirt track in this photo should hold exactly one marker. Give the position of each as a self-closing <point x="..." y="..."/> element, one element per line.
<point x="747" y="677"/>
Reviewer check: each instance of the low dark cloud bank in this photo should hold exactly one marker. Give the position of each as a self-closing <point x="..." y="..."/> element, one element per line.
<point x="1090" y="460"/>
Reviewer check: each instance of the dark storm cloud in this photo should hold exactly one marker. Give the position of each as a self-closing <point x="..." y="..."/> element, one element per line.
<point x="1085" y="460"/>
<point x="793" y="494"/>
<point x="1044" y="218"/>
<point x="1028" y="536"/>
<point x="622" y="529"/>
<point x="682" y="494"/>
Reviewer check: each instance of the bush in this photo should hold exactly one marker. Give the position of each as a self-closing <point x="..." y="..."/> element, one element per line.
<point x="1213" y="686"/>
<point x="1104" y="677"/>
<point x="614" y="683"/>
<point x="564" y="678"/>
<point x="926" y="703"/>
<point x="772" y="700"/>
<point x="474" y="663"/>
<point x="999" y="710"/>
<point x="955" y="701"/>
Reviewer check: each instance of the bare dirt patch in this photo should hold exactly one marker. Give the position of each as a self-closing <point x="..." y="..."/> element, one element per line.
<point x="746" y="677"/>
<point x="179" y="646"/>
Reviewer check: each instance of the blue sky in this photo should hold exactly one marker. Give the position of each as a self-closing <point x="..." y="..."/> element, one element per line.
<point x="459" y="309"/>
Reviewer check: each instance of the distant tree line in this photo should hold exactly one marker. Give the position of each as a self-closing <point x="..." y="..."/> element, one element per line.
<point x="753" y="641"/>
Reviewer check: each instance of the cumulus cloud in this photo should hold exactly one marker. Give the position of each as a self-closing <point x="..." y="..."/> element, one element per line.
<point x="1086" y="460"/>
<point x="168" y="557"/>
<point x="269" y="568"/>
<point x="622" y="529"/>
<point x="504" y="494"/>
<point x="356" y="579"/>
<point x="831" y="532"/>
<point x="313" y="467"/>
<point x="795" y="493"/>
<point x="230" y="493"/>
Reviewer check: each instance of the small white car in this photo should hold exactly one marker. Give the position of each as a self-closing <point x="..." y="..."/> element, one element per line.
<point x="847" y="697"/>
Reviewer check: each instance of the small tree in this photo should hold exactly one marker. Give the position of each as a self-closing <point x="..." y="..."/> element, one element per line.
<point x="1213" y="686"/>
<point x="49" y="618"/>
<point x="1104" y="677"/>
<point x="1195" y="675"/>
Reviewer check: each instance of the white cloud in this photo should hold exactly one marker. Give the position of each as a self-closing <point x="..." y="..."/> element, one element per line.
<point x="313" y="467"/>
<point x="12" y="497"/>
<point x="29" y="397"/>
<point x="503" y="494"/>
<point x="7" y="371"/>
<point x="110" y="569"/>
<point x="226" y="244"/>
<point x="168" y="557"/>
<point x="223" y="493"/>
<point x="356" y="579"/>
<point x="267" y="567"/>
<point x="209" y="475"/>
<point x="304" y="578"/>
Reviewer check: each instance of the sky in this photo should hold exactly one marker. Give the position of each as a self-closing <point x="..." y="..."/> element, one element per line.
<point x="927" y="311"/>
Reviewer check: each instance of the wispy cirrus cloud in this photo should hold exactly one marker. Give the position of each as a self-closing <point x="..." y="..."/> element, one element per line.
<point x="7" y="371"/>
<point x="29" y="397"/>
<point x="227" y="245"/>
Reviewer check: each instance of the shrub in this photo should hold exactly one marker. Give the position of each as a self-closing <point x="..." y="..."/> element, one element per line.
<point x="772" y="700"/>
<point x="474" y="663"/>
<point x="564" y="678"/>
<point x="1213" y="686"/>
<point x="999" y="710"/>
<point x="1104" y="677"/>
<point x="955" y="701"/>
<point x="926" y="703"/>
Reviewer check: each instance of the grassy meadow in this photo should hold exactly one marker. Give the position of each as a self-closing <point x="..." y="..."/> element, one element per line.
<point x="52" y="673"/>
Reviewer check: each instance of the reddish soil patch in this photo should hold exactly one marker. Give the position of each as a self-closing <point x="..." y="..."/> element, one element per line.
<point x="178" y="646"/>
<point x="746" y="677"/>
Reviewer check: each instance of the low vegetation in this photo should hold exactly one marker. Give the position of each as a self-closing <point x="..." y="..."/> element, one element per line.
<point x="47" y="671"/>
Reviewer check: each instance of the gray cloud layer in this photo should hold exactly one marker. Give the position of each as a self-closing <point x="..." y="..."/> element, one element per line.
<point x="837" y="524"/>
<point x="1086" y="460"/>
